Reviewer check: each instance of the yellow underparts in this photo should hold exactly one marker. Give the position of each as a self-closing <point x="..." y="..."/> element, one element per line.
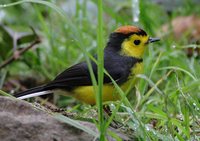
<point x="86" y="93"/>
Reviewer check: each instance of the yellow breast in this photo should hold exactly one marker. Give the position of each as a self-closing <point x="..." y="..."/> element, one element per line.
<point x="86" y="93"/>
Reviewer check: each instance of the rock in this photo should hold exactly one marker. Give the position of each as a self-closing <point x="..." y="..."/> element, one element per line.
<point x="20" y="121"/>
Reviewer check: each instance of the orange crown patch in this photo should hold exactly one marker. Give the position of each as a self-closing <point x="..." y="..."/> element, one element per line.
<point x="128" y="29"/>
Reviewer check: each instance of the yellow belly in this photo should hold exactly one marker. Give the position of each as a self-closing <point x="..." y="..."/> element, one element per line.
<point x="86" y="93"/>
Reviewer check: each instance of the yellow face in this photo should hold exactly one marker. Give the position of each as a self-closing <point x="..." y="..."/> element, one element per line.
<point x="134" y="46"/>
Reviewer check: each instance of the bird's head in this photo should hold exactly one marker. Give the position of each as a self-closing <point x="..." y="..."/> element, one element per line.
<point x="130" y="41"/>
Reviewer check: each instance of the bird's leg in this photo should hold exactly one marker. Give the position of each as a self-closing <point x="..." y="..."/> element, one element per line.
<point x="115" y="124"/>
<point x="106" y="109"/>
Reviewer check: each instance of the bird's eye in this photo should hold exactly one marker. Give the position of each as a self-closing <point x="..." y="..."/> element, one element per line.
<point x="136" y="42"/>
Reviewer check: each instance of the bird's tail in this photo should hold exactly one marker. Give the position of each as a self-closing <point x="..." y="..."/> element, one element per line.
<point x="37" y="91"/>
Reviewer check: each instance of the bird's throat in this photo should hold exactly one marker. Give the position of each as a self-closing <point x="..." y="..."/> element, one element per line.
<point x="132" y="52"/>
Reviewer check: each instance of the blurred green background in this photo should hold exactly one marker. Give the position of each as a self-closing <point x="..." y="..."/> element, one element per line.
<point x="167" y="100"/>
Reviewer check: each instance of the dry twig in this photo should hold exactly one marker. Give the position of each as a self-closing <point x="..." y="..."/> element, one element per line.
<point x="19" y="53"/>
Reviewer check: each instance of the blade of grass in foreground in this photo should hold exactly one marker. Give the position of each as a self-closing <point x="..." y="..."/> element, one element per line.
<point x="128" y="107"/>
<point x="5" y="94"/>
<point x="147" y="95"/>
<point x="75" y="124"/>
<point x="180" y="69"/>
<point x="100" y="64"/>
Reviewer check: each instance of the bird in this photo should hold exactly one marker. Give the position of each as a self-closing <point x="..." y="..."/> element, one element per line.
<point x="123" y="60"/>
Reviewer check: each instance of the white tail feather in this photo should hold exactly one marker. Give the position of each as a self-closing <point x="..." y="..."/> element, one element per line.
<point x="34" y="94"/>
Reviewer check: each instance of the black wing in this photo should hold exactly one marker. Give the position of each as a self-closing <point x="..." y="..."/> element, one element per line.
<point x="74" y="76"/>
<point x="78" y="75"/>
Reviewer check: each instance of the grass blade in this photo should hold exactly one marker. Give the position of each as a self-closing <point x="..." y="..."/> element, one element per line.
<point x="180" y="69"/>
<point x="100" y="57"/>
<point x="75" y="124"/>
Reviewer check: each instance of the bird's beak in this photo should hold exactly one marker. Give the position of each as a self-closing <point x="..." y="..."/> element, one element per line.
<point x="151" y="40"/>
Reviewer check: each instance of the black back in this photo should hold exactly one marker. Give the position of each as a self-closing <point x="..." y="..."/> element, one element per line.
<point x="117" y="66"/>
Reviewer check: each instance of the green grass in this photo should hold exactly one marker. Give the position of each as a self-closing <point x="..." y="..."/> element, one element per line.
<point x="100" y="63"/>
<point x="166" y="103"/>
